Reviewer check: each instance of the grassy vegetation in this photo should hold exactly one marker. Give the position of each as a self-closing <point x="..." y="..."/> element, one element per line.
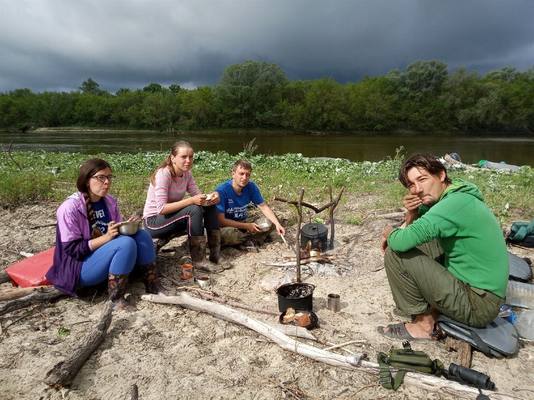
<point x="28" y="177"/>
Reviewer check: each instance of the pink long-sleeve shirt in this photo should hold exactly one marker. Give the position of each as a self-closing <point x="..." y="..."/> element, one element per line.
<point x="168" y="189"/>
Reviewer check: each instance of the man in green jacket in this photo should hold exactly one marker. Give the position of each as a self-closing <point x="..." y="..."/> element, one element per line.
<point x="449" y="257"/>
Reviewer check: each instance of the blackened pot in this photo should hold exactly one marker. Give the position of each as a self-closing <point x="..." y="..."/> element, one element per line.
<point x="315" y="233"/>
<point x="298" y="296"/>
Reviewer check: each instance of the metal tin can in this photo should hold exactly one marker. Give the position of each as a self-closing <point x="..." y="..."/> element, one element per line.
<point x="187" y="272"/>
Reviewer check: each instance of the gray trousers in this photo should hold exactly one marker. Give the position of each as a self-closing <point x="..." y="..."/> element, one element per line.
<point x="418" y="282"/>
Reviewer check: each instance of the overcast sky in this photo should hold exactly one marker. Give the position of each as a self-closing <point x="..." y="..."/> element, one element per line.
<point x="57" y="44"/>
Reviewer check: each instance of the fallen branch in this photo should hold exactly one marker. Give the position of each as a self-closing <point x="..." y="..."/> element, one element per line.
<point x="336" y="346"/>
<point x="40" y="295"/>
<point x="394" y="215"/>
<point x="63" y="373"/>
<point x="43" y="226"/>
<point x="295" y="331"/>
<point x="206" y="295"/>
<point x="354" y="362"/>
<point x="29" y="313"/>
<point x="17" y="293"/>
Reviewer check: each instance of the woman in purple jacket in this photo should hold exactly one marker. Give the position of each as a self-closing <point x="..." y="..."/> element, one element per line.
<point x="89" y="249"/>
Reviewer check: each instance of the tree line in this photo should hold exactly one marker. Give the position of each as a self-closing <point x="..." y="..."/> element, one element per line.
<point x="424" y="96"/>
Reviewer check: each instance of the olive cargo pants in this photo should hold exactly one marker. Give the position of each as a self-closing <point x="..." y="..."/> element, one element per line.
<point x="418" y="281"/>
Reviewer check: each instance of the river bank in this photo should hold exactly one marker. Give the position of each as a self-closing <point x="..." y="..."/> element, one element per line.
<point x="175" y="353"/>
<point x="170" y="352"/>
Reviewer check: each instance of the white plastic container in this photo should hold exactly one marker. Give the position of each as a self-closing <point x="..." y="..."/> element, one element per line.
<point x="520" y="294"/>
<point x="525" y="324"/>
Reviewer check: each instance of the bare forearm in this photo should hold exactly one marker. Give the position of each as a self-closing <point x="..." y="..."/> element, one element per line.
<point x="269" y="214"/>
<point x="176" y="206"/>
<point x="233" y="224"/>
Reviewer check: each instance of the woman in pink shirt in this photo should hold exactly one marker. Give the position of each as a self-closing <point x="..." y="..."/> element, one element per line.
<point x="168" y="213"/>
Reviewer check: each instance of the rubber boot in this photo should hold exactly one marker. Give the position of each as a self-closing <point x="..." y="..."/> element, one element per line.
<point x="197" y="249"/>
<point x="214" y="244"/>
<point x="116" y="290"/>
<point x="151" y="279"/>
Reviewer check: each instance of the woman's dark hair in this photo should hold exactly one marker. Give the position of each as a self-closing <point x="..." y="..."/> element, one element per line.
<point x="167" y="162"/>
<point x="426" y="161"/>
<point x="87" y="170"/>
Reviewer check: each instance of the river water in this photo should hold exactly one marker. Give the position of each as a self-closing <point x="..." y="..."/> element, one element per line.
<point x="515" y="149"/>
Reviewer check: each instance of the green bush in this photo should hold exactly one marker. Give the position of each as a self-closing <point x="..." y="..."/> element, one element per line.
<point x="17" y="188"/>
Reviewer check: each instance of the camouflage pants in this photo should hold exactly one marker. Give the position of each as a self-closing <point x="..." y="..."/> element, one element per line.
<point x="233" y="236"/>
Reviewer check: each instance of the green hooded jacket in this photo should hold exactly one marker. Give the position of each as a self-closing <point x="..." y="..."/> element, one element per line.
<point x="471" y="238"/>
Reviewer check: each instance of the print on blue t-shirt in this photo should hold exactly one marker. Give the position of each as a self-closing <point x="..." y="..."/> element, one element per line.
<point x="102" y="215"/>
<point x="234" y="206"/>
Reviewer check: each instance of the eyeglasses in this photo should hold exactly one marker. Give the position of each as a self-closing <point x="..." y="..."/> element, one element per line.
<point x="103" y="178"/>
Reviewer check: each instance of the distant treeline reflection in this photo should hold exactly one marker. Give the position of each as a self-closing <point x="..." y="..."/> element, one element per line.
<point x="423" y="97"/>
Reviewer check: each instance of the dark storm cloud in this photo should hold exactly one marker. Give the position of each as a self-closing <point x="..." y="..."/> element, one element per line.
<point x="56" y="44"/>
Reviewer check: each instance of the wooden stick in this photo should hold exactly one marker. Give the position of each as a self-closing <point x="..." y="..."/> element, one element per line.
<point x="297" y="250"/>
<point x="43" y="226"/>
<point x="38" y="296"/>
<point x="11" y="156"/>
<point x="394" y="215"/>
<point x="345" y="344"/>
<point x="331" y="215"/>
<point x="63" y="373"/>
<point x="463" y="349"/>
<point x="354" y="362"/>
<point x="304" y="204"/>
<point x="285" y="241"/>
<point x="331" y="211"/>
<point x="16" y="293"/>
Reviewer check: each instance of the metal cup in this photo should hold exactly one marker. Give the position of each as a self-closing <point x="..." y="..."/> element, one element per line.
<point x="333" y="302"/>
<point x="187" y="272"/>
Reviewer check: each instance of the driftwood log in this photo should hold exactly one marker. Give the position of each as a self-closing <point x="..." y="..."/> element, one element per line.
<point x="63" y="373"/>
<point x="17" y="293"/>
<point x="39" y="295"/>
<point x="353" y="362"/>
<point x="213" y="296"/>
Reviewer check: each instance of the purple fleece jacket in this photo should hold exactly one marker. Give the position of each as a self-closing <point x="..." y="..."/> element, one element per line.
<point x="72" y="241"/>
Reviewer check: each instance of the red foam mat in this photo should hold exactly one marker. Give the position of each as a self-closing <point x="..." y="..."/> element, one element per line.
<point x="31" y="271"/>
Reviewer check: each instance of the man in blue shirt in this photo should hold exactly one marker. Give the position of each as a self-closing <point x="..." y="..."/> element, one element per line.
<point x="235" y="195"/>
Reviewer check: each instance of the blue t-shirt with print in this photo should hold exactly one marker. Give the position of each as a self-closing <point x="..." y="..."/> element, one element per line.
<point x="102" y="215"/>
<point x="234" y="206"/>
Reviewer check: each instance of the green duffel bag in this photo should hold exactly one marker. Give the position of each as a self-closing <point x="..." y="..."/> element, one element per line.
<point x="405" y="360"/>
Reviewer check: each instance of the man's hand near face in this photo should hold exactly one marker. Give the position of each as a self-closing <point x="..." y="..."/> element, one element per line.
<point x="411" y="202"/>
